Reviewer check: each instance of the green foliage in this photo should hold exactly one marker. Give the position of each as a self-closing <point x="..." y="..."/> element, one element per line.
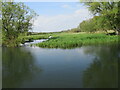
<point x="0" y="24"/>
<point x="0" y="32"/>
<point x="71" y="40"/>
<point x="88" y="26"/>
<point x="109" y="13"/>
<point x="36" y="37"/>
<point x="73" y="30"/>
<point x="16" y="19"/>
<point x="97" y="23"/>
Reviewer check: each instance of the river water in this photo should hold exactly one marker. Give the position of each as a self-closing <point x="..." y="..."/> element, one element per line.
<point x="83" y="67"/>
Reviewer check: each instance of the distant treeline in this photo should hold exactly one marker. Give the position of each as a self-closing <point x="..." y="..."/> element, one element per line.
<point x="106" y="17"/>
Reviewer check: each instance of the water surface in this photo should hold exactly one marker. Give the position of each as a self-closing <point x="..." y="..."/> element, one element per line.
<point x="84" y="67"/>
<point x="34" y="42"/>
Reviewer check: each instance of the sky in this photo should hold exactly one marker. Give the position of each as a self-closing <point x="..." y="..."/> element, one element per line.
<point x="58" y="16"/>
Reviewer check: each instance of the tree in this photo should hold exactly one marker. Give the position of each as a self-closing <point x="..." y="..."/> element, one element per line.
<point x="88" y="25"/>
<point x="109" y="11"/>
<point x="17" y="19"/>
<point x="0" y="24"/>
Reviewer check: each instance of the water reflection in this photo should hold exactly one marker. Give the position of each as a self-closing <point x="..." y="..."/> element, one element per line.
<point x="88" y="66"/>
<point x="18" y="66"/>
<point x="0" y="67"/>
<point x="103" y="72"/>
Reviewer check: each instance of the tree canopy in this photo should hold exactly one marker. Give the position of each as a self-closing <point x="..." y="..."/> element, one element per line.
<point x="17" y="19"/>
<point x="109" y="13"/>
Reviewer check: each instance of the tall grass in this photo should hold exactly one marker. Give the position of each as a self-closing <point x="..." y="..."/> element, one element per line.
<point x="70" y="40"/>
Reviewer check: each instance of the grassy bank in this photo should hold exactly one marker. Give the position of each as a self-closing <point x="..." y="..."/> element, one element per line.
<point x="70" y="40"/>
<point x="30" y="38"/>
<point x="36" y="37"/>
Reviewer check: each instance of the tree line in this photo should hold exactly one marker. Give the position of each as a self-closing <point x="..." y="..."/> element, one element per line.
<point x="106" y="16"/>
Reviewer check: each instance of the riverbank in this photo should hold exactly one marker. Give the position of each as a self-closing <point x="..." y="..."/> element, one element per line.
<point x="71" y="40"/>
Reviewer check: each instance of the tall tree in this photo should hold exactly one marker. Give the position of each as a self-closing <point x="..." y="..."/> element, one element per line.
<point x="90" y="25"/>
<point x="109" y="11"/>
<point x="0" y="32"/>
<point x="17" y="19"/>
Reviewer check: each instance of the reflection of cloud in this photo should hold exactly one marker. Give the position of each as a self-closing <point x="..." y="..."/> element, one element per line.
<point x="61" y="22"/>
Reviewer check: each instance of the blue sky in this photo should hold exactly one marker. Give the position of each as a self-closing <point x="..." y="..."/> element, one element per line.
<point x="58" y="16"/>
<point x="54" y="8"/>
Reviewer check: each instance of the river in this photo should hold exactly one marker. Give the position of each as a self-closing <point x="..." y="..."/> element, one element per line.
<point x="83" y="67"/>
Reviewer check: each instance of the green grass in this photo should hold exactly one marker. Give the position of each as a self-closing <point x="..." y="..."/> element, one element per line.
<point x="36" y="37"/>
<point x="71" y="40"/>
<point x="33" y="37"/>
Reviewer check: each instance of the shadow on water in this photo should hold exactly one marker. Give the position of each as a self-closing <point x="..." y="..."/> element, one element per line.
<point x="103" y="72"/>
<point x="17" y="66"/>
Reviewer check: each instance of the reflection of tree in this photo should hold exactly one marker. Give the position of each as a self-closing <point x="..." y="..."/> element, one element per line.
<point x="0" y="67"/>
<point x="18" y="65"/>
<point x="103" y="72"/>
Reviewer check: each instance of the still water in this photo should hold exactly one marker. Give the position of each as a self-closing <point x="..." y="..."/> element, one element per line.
<point x="84" y="67"/>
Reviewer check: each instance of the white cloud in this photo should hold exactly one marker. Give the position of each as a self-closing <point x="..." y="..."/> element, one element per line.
<point x="82" y="11"/>
<point x="78" y="5"/>
<point x="60" y="22"/>
<point x="45" y="0"/>
<point x="79" y="11"/>
<point x="66" y="6"/>
<point x="71" y="7"/>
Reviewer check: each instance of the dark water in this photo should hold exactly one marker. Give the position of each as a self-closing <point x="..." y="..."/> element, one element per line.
<point x="87" y="66"/>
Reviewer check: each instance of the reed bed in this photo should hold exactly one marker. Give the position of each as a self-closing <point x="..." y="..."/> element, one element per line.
<point x="70" y="40"/>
